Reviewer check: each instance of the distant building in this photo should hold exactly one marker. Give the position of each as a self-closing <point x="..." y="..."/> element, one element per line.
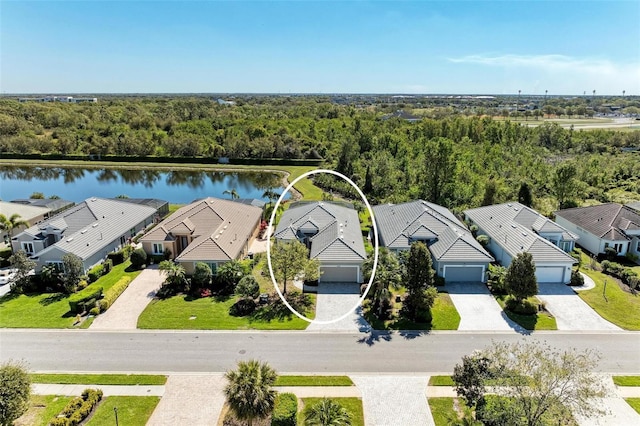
<point x="55" y="205"/>
<point x="403" y="115"/>
<point x="30" y="214"/>
<point x="69" y="99"/>
<point x="90" y="230"/>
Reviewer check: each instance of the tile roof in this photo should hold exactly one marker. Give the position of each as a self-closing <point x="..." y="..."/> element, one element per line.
<point x="398" y="224"/>
<point x="88" y="226"/>
<point x="608" y="221"/>
<point x="219" y="228"/>
<point x="513" y="230"/>
<point x="339" y="237"/>
<point x="54" y="204"/>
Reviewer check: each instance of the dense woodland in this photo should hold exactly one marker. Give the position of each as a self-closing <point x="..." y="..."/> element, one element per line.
<point x="460" y="160"/>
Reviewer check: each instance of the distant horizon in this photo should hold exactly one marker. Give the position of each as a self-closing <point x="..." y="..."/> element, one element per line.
<point x="319" y="47"/>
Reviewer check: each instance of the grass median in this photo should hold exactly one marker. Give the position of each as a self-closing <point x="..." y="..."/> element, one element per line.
<point x="313" y="381"/>
<point x="99" y="379"/>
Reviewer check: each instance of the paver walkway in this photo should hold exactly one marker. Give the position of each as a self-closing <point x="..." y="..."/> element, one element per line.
<point x="333" y="301"/>
<point x="394" y="400"/>
<point x="478" y="309"/>
<point x="107" y="390"/>
<point x="124" y="313"/>
<point x="194" y="400"/>
<point x="570" y="311"/>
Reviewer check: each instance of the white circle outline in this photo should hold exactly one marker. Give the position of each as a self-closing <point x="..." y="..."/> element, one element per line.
<point x="375" y="249"/>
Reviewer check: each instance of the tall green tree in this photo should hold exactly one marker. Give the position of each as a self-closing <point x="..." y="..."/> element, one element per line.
<point x="23" y="265"/>
<point x="490" y="190"/>
<point x="288" y="260"/>
<point x="565" y="184"/>
<point x="419" y="277"/>
<point x="388" y="275"/>
<point x="15" y="391"/>
<point x="233" y="194"/>
<point x="520" y="279"/>
<point x="11" y="223"/>
<point x="533" y="384"/>
<point x="327" y="412"/>
<point x="439" y="171"/>
<point x="73" y="270"/>
<point x="249" y="390"/>
<point x="524" y="195"/>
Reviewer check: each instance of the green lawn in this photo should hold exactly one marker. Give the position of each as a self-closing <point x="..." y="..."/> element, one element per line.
<point x="99" y="379"/>
<point x="173" y="208"/>
<point x="42" y="408"/>
<point x="443" y="411"/>
<point x="132" y="410"/>
<point x="185" y="313"/>
<point x="540" y="321"/>
<point x="619" y="307"/>
<point x="50" y="310"/>
<point x="626" y="380"/>
<point x="313" y="381"/>
<point x="634" y="403"/>
<point x="445" y="316"/>
<point x="441" y="381"/>
<point x="352" y="405"/>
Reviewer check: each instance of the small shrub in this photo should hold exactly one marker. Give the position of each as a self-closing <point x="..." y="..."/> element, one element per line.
<point x="72" y="406"/>
<point x="138" y="258"/>
<point x="95" y="311"/>
<point x="79" y="300"/>
<point x="576" y="279"/>
<point x="483" y="240"/>
<point x="439" y="281"/>
<point x="285" y="410"/>
<point x="107" y="265"/>
<point x="95" y="273"/>
<point x="114" y="292"/>
<point x="242" y="307"/>
<point x="82" y="285"/>
<point x="116" y="257"/>
<point x="611" y="253"/>
<point x="59" y="421"/>
<point x="201" y="275"/>
<point x="631" y="257"/>
<point x="248" y="287"/>
<point x="523" y="308"/>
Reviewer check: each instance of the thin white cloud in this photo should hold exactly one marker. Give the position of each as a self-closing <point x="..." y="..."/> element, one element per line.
<point x="548" y="62"/>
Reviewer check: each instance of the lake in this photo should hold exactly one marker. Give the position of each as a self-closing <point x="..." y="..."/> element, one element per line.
<point x="179" y="187"/>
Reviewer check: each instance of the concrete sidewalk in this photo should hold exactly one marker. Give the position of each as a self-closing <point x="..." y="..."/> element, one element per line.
<point x="124" y="313"/>
<point x="107" y="390"/>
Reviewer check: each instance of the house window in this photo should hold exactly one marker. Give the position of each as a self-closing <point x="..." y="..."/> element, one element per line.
<point x="638" y="246"/>
<point x="28" y="247"/>
<point x="158" y="248"/>
<point x="618" y="248"/>
<point x="58" y="265"/>
<point x="133" y="232"/>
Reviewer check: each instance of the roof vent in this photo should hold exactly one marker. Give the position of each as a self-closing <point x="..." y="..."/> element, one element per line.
<point x="95" y="225"/>
<point x="83" y="231"/>
<point x="509" y="204"/>
<point x="524" y="234"/>
<point x="93" y="199"/>
<point x="513" y="225"/>
<point x="224" y="227"/>
<point x="515" y="208"/>
<point x="216" y="237"/>
<point x="69" y="239"/>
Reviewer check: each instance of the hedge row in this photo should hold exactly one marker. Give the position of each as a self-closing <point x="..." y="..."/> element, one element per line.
<point x="153" y="159"/>
<point x="78" y="301"/>
<point x="78" y="409"/>
<point x="95" y="273"/>
<point x="285" y="410"/>
<point x="118" y="257"/>
<point x="113" y="293"/>
<point x="627" y="275"/>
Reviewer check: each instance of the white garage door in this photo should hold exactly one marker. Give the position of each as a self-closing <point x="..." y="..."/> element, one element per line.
<point x="550" y="274"/>
<point x="463" y="274"/>
<point x="342" y="274"/>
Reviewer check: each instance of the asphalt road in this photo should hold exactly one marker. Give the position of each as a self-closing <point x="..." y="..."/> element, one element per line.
<point x="288" y="352"/>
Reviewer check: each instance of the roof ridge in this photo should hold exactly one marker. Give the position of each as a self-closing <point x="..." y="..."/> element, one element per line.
<point x="344" y="243"/>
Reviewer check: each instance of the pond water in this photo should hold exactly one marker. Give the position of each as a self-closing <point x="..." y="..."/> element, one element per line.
<point x="179" y="187"/>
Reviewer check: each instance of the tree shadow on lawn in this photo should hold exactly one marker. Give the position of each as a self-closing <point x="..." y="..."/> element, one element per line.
<point x="53" y="298"/>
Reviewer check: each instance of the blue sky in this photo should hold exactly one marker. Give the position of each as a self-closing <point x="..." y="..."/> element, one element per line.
<point x="565" y="47"/>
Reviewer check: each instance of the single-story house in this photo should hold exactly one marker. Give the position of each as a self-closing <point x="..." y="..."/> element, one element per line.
<point x="30" y="214"/>
<point x="161" y="206"/>
<point x="90" y="230"/>
<point x="634" y="205"/>
<point x="514" y="228"/>
<point x="55" y="205"/>
<point x="605" y="225"/>
<point x="211" y="230"/>
<point x="332" y="233"/>
<point x="455" y="253"/>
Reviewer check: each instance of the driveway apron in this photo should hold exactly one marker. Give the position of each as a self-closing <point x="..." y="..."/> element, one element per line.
<point x="571" y="312"/>
<point x="124" y="313"/>
<point x="333" y="301"/>
<point x="478" y="309"/>
<point x="394" y="400"/>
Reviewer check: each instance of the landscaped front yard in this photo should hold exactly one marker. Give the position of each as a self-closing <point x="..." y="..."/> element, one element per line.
<point x="132" y="410"/>
<point x="352" y="405"/>
<point x="539" y="321"/>
<point x="42" y="408"/>
<point x="51" y="310"/>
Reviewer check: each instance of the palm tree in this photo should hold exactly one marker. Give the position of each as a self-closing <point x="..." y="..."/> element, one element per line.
<point x="11" y="223"/>
<point x="327" y="412"/>
<point x="388" y="274"/>
<point x="248" y="391"/>
<point x="232" y="193"/>
<point x="174" y="272"/>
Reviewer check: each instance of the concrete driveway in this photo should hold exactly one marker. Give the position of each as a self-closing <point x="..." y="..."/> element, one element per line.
<point x="478" y="309"/>
<point x="333" y="301"/>
<point x="124" y="313"/>
<point x="571" y="312"/>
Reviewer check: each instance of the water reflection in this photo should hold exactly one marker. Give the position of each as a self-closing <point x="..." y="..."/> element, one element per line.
<point x="69" y="182"/>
